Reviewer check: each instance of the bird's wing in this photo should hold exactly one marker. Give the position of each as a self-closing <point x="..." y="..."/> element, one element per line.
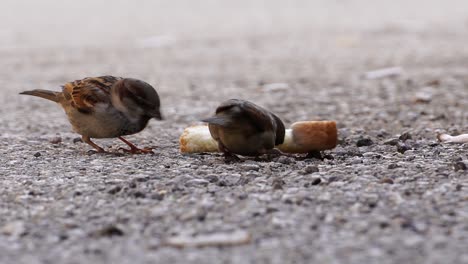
<point x="260" y="118"/>
<point x="86" y="93"/>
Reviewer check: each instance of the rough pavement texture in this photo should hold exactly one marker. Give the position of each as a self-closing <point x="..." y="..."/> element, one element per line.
<point x="389" y="193"/>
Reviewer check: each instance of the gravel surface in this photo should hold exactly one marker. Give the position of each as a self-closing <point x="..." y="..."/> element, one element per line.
<point x="389" y="193"/>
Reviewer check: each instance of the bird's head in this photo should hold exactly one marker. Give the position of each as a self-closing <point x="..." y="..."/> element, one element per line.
<point x="136" y="99"/>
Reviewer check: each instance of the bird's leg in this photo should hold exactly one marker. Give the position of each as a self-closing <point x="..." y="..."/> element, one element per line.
<point x="228" y="156"/>
<point x="92" y="144"/>
<point x="134" y="149"/>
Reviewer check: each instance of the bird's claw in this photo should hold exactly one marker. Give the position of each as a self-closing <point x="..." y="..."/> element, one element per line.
<point x="138" y="150"/>
<point x="230" y="157"/>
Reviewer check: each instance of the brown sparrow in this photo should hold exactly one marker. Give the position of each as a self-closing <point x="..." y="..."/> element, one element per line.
<point x="241" y="127"/>
<point x="106" y="107"/>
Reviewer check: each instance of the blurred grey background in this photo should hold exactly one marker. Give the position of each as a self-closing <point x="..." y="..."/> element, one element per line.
<point x="54" y="23"/>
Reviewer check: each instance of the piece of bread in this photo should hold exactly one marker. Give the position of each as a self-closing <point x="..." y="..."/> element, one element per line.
<point x="463" y="138"/>
<point x="302" y="137"/>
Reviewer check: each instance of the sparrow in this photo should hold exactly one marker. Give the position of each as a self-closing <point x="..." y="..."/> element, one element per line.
<point x="244" y="128"/>
<point x="106" y="107"/>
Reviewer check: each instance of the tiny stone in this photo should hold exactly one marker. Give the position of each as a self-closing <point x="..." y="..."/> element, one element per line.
<point x="310" y="169"/>
<point x="459" y="166"/>
<point x="316" y="181"/>
<point x="250" y="167"/>
<point x="158" y="196"/>
<point x="382" y="133"/>
<point x="278" y="184"/>
<point x="108" y="231"/>
<point x="242" y="196"/>
<point x="391" y="142"/>
<point x="364" y="142"/>
<point x="371" y="155"/>
<point x="422" y="97"/>
<point x="243" y="180"/>
<point x="55" y="140"/>
<point x="405" y="136"/>
<point x="142" y="179"/>
<point x="284" y="160"/>
<point x="333" y="178"/>
<point x="354" y="152"/>
<point x="402" y="148"/>
<point x="197" y="182"/>
<point x="77" y="140"/>
<point x="232" y="179"/>
<point x="271" y="209"/>
<point x="37" y="154"/>
<point x="15" y="229"/>
<point x="115" y="189"/>
<point x="392" y="166"/>
<point x="386" y="180"/>
<point x="212" y="178"/>
<point x="222" y="183"/>
<point x="138" y="194"/>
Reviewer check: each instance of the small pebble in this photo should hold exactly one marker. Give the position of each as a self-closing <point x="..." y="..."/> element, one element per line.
<point x="386" y="180"/>
<point x="391" y="142"/>
<point x="316" y="181"/>
<point x="196" y="182"/>
<point x="158" y="195"/>
<point x="460" y="165"/>
<point x="114" y="189"/>
<point x="55" y="140"/>
<point x="138" y="194"/>
<point x="405" y="136"/>
<point x="15" y="229"/>
<point x="250" y="167"/>
<point x="422" y="97"/>
<point x="212" y="178"/>
<point x="402" y="147"/>
<point x="364" y="142"/>
<point x="382" y="133"/>
<point x="278" y="184"/>
<point x="222" y="183"/>
<point x="243" y="180"/>
<point x="108" y="231"/>
<point x="232" y="179"/>
<point x="310" y="169"/>
<point x="37" y="154"/>
<point x="284" y="160"/>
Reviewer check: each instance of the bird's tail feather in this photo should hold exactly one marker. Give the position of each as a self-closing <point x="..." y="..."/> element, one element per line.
<point x="217" y="120"/>
<point x="49" y="95"/>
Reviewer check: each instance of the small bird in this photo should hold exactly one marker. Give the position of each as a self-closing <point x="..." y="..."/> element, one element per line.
<point x="106" y="107"/>
<point x="244" y="128"/>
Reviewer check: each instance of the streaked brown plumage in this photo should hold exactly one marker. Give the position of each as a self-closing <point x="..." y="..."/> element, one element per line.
<point x="106" y="107"/>
<point x="241" y="127"/>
